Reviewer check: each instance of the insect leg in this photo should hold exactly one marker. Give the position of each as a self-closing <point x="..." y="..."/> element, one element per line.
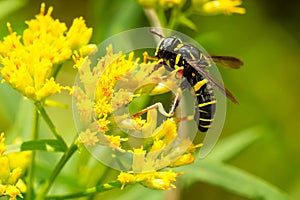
<point x="160" y="107"/>
<point x="157" y="105"/>
<point x="175" y="102"/>
<point x="147" y="57"/>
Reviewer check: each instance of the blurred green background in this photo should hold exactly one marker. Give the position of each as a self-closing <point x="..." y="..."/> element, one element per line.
<point x="266" y="38"/>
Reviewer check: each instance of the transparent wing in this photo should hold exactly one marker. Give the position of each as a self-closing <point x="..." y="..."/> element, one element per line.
<point x="213" y="81"/>
<point x="229" y="62"/>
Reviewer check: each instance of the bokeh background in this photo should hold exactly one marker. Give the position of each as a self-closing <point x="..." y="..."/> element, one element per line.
<point x="266" y="38"/>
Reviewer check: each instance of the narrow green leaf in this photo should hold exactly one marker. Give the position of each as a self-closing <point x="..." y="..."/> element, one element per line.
<point x="234" y="180"/>
<point x="187" y="22"/>
<point x="39" y="145"/>
<point x="89" y="191"/>
<point x="43" y="145"/>
<point x="53" y="103"/>
<point x="232" y="146"/>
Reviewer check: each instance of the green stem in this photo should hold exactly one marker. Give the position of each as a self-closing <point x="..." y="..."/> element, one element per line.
<point x="173" y="18"/>
<point x="89" y="191"/>
<point x="50" y="124"/>
<point x="56" y="70"/>
<point x="47" y="185"/>
<point x="35" y="131"/>
<point x="162" y="17"/>
<point x="153" y="18"/>
<point x="105" y="174"/>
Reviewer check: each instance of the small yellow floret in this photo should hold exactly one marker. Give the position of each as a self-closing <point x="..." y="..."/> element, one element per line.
<point x="153" y="180"/>
<point x="10" y="174"/>
<point x="88" y="138"/>
<point x="224" y="7"/>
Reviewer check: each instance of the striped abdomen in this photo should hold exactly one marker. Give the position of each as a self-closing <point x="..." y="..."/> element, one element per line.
<point x="206" y="101"/>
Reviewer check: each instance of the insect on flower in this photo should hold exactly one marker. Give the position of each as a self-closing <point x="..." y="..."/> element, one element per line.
<point x="191" y="63"/>
<point x="124" y="101"/>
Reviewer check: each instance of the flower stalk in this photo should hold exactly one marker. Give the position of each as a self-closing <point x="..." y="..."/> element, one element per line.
<point x="50" y="124"/>
<point x="64" y="159"/>
<point x="35" y="132"/>
<point x="89" y="191"/>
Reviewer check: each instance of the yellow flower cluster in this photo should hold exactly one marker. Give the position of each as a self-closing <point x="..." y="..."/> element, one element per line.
<point x="100" y="95"/>
<point x="227" y="7"/>
<point x="96" y="96"/>
<point x="108" y="88"/>
<point x="29" y="61"/>
<point x="206" y="7"/>
<point x="162" y="180"/>
<point x="10" y="172"/>
<point x="112" y="72"/>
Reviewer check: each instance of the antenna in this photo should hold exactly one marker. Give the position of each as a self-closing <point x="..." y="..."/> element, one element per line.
<point x="156" y="33"/>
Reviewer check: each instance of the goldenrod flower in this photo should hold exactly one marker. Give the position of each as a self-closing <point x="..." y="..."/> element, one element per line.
<point x="138" y="161"/>
<point x="149" y="143"/>
<point x="223" y="7"/>
<point x="79" y="30"/>
<point x="88" y="138"/>
<point x="120" y="98"/>
<point x="19" y="159"/>
<point x="167" y="132"/>
<point x="111" y="67"/>
<point x="157" y="145"/>
<point x="3" y="146"/>
<point x="10" y="182"/>
<point x="155" y="180"/>
<point x="28" y="66"/>
<point x="126" y="178"/>
<point x="103" y="106"/>
<point x="185" y="159"/>
<point x="115" y="141"/>
<point x="161" y="180"/>
<point x="102" y="125"/>
<point x="4" y="166"/>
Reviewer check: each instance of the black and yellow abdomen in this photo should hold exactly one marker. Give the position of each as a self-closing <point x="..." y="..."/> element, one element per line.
<point x="206" y="102"/>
